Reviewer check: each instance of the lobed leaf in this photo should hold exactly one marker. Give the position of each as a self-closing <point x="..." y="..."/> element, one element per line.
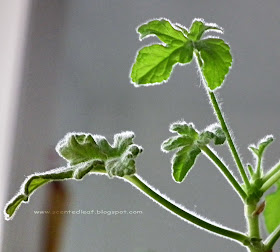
<point x="154" y="63"/>
<point x="261" y="146"/>
<point x="77" y="148"/>
<point x="163" y="29"/>
<point x="271" y="211"/>
<point x="176" y="142"/>
<point x="85" y="154"/>
<point x="183" y="128"/>
<point x="198" y="28"/>
<point x="188" y="143"/>
<point x="212" y="132"/>
<point x="216" y="60"/>
<point x="219" y="136"/>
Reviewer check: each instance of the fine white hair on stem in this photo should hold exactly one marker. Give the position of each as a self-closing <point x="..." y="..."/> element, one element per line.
<point x="222" y="160"/>
<point x="181" y="207"/>
<point x="220" y="104"/>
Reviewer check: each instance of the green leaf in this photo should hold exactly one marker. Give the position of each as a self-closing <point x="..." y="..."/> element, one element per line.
<point x="85" y="154"/>
<point x="188" y="143"/>
<point x="219" y="136"/>
<point x="261" y="146"/>
<point x="213" y="132"/>
<point x="163" y="29"/>
<point x="271" y="211"/>
<point x="78" y="148"/>
<point x="183" y="128"/>
<point x="176" y="142"/>
<point x="154" y="63"/>
<point x="11" y="207"/>
<point x="198" y="27"/>
<point x="216" y="60"/>
<point x="183" y="161"/>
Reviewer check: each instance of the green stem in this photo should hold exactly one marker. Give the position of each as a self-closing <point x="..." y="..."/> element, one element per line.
<point x="225" y="171"/>
<point x="258" y="173"/>
<point x="252" y="221"/>
<point x="272" y="239"/>
<point x="270" y="182"/>
<point x="253" y="228"/>
<point x="271" y="172"/>
<point x="225" y="128"/>
<point x="145" y="188"/>
<point x="251" y="171"/>
<point x="229" y="139"/>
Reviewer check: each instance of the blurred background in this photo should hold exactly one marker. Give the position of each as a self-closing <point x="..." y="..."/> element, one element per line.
<point x="65" y="67"/>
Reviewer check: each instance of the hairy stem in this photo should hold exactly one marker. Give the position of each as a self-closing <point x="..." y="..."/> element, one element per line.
<point x="226" y="233"/>
<point x="251" y="171"/>
<point x="272" y="239"/>
<point x="271" y="172"/>
<point x="220" y="117"/>
<point x="229" y="139"/>
<point x="270" y="182"/>
<point x="212" y="156"/>
<point x="258" y="173"/>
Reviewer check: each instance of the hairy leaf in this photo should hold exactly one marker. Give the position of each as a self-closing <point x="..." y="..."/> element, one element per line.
<point x="271" y="211"/>
<point x="213" y="132"/>
<point x="261" y="146"/>
<point x="198" y="27"/>
<point x="85" y="154"/>
<point x="163" y="30"/>
<point x="154" y="63"/>
<point x="176" y="142"/>
<point x="78" y="148"/>
<point x="182" y="128"/>
<point x="188" y="143"/>
<point x="219" y="136"/>
<point x="216" y="60"/>
<point x="183" y="161"/>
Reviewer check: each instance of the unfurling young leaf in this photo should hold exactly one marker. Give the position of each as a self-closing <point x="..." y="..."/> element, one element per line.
<point x="261" y="146"/>
<point x="188" y="143"/>
<point x="198" y="27"/>
<point x="259" y="151"/>
<point x="154" y="63"/>
<point x="85" y="154"/>
<point x="271" y="211"/>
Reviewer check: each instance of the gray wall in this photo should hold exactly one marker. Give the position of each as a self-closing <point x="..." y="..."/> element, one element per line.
<point x="82" y="84"/>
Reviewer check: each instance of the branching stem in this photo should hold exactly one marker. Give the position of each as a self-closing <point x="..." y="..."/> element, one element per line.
<point x="271" y="172"/>
<point x="270" y="182"/>
<point x="220" y="117"/>
<point x="229" y="139"/>
<point x="226" y="233"/>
